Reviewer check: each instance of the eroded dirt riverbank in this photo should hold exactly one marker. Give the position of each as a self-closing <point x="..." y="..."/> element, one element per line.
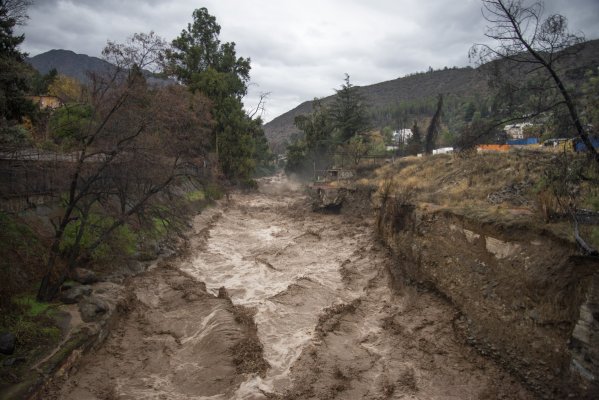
<point x="331" y="322"/>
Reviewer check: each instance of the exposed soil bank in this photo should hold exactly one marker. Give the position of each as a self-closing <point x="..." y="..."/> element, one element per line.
<point x="526" y="299"/>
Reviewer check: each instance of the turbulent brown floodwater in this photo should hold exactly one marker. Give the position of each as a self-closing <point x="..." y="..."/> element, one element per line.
<point x="331" y="322"/>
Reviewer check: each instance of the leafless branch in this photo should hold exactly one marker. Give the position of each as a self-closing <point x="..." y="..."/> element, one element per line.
<point x="522" y="36"/>
<point x="260" y="108"/>
<point x="16" y="10"/>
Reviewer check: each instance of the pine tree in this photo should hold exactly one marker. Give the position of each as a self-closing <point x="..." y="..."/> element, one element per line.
<point x="199" y="60"/>
<point x="433" y="129"/>
<point x="415" y="141"/>
<point x="14" y="74"/>
<point x="349" y="112"/>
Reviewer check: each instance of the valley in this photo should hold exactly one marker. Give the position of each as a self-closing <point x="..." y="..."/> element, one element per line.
<point x="331" y="321"/>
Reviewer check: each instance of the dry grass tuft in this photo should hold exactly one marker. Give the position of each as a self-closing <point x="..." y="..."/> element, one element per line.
<point x="501" y="189"/>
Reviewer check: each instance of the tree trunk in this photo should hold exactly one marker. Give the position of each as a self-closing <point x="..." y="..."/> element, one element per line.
<point x="584" y="137"/>
<point x="51" y="282"/>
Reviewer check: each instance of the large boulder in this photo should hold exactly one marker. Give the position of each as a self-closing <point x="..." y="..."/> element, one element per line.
<point x="326" y="198"/>
<point x="7" y="343"/>
<point x="92" y="308"/>
<point x="84" y="276"/>
<point x="75" y="294"/>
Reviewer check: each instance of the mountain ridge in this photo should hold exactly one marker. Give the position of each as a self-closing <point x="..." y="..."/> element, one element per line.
<point x="410" y="87"/>
<point x="449" y="81"/>
<point x="69" y="63"/>
<point x="79" y="66"/>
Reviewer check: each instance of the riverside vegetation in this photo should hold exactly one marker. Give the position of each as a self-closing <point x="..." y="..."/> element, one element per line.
<point x="104" y="180"/>
<point x="108" y="182"/>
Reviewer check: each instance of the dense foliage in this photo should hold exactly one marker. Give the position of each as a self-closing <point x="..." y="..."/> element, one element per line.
<point x="348" y="112"/>
<point x="329" y="131"/>
<point x="122" y="158"/>
<point x="14" y="80"/>
<point x="199" y="60"/>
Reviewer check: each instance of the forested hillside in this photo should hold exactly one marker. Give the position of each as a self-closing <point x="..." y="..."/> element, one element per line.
<point x="397" y="103"/>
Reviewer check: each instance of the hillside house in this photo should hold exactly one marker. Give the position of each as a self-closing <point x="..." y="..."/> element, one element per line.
<point x="443" y="150"/>
<point x="402" y="135"/>
<point x="516" y="131"/>
<point x="46" y="102"/>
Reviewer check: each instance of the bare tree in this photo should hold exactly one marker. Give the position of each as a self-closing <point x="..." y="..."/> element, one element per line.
<point x="261" y="107"/>
<point x="534" y="47"/>
<point x="130" y="153"/>
<point x="16" y="9"/>
<point x="143" y="50"/>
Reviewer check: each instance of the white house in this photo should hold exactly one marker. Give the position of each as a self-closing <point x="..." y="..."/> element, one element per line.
<point x="516" y="131"/>
<point x="443" y="150"/>
<point x="402" y="135"/>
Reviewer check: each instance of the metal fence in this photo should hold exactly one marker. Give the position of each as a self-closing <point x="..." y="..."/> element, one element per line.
<point x="19" y="178"/>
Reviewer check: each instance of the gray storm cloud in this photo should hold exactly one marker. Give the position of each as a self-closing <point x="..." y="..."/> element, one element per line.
<point x="299" y="49"/>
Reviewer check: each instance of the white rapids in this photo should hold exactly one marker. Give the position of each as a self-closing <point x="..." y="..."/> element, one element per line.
<point x="284" y="263"/>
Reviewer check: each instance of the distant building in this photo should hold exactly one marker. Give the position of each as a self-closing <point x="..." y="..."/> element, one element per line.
<point x="443" y="150"/>
<point x="516" y="131"/>
<point x="45" y="102"/>
<point x="402" y="135"/>
<point x="333" y="174"/>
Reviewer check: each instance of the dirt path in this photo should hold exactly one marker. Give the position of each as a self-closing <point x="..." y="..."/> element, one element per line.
<point x="330" y="324"/>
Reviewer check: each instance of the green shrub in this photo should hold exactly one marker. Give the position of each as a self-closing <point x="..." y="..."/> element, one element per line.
<point x="69" y="123"/>
<point x="123" y="240"/>
<point x="30" y="306"/>
<point x="160" y="227"/>
<point x="592" y="200"/>
<point x="22" y="257"/>
<point x="30" y="331"/>
<point x="16" y="135"/>
<point x="30" y="321"/>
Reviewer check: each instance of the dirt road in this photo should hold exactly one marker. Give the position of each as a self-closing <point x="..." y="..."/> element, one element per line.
<point x="329" y="323"/>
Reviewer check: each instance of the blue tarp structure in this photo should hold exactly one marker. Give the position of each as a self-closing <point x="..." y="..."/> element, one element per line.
<point x="523" y="142"/>
<point x="579" y="146"/>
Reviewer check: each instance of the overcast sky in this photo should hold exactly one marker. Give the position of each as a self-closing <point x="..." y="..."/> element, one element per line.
<point x="300" y="49"/>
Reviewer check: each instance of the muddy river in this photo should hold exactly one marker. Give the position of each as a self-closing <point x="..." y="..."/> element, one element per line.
<point x="331" y="322"/>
